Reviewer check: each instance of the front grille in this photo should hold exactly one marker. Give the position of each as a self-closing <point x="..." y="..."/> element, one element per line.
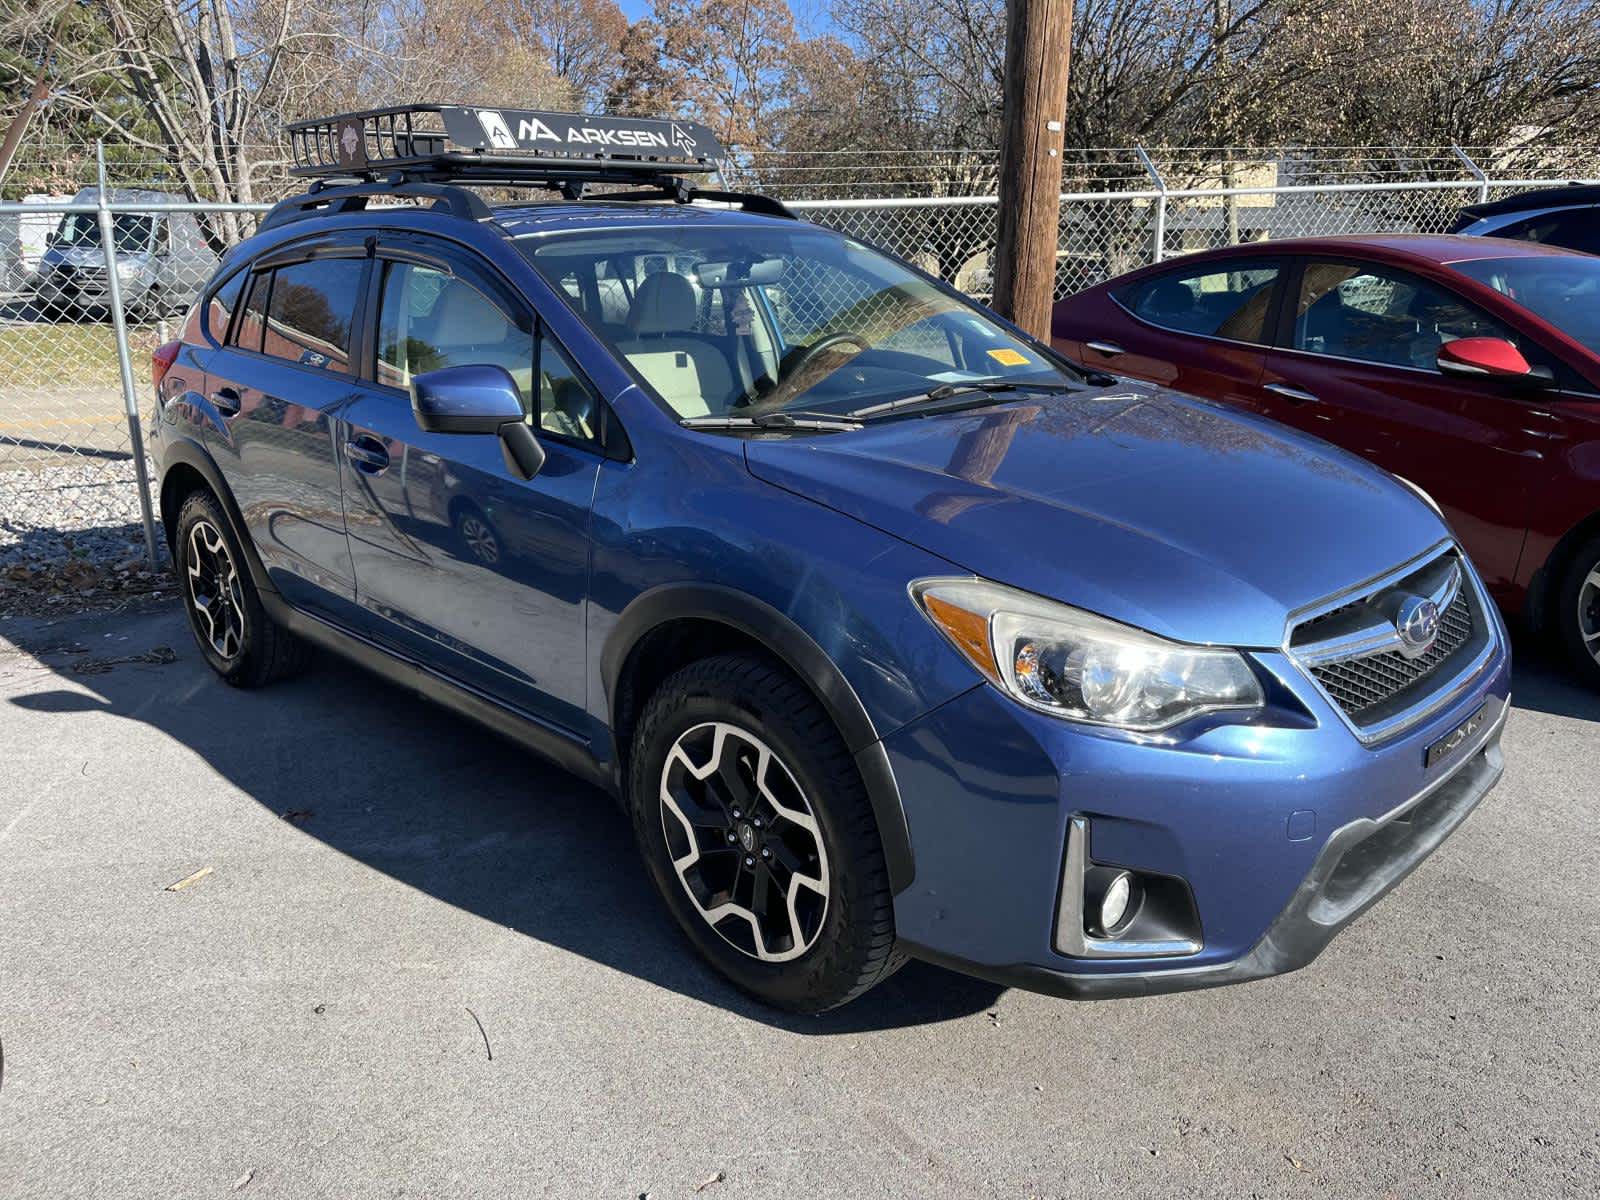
<point x="1353" y="649"/>
<point x="1359" y="685"/>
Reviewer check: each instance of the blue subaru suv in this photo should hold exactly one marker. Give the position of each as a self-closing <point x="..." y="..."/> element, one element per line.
<point x="893" y="633"/>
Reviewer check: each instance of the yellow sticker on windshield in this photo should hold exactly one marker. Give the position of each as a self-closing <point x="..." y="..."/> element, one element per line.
<point x="1008" y="357"/>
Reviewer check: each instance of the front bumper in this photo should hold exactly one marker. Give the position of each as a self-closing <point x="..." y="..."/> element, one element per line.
<point x="991" y="794"/>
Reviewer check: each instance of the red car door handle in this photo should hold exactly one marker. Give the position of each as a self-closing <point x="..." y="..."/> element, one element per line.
<point x="1109" y="349"/>
<point x="1291" y="393"/>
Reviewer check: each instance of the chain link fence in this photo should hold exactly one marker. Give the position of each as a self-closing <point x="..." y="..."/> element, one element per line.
<point x="78" y="325"/>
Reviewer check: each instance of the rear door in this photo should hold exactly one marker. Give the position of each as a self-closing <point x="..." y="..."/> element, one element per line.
<point x="1357" y="367"/>
<point x="1199" y="328"/>
<point x="274" y="389"/>
<point x="458" y="561"/>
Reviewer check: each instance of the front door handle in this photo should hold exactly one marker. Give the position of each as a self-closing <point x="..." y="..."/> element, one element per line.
<point x="1291" y="393"/>
<point x="1109" y="349"/>
<point x="367" y="454"/>
<point x="227" y="401"/>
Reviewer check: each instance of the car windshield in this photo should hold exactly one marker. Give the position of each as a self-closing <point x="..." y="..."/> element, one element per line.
<point x="130" y="231"/>
<point x="1562" y="289"/>
<point x="728" y="321"/>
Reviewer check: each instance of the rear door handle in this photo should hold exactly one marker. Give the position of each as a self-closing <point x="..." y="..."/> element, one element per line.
<point x="367" y="454"/>
<point x="227" y="401"/>
<point x="1291" y="393"/>
<point x="1109" y="349"/>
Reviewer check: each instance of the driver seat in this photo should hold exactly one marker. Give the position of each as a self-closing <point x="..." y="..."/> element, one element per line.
<point x="690" y="373"/>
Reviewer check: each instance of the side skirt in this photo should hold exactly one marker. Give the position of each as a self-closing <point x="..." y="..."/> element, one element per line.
<point x="561" y="747"/>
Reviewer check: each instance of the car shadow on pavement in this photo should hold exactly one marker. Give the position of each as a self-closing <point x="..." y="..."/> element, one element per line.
<point x="410" y="789"/>
<point x="1542" y="682"/>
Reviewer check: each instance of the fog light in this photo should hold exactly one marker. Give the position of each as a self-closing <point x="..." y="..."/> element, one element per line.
<point x="1114" y="904"/>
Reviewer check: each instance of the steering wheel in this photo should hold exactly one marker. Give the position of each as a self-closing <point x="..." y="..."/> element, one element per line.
<point x="801" y="357"/>
<point x="791" y="371"/>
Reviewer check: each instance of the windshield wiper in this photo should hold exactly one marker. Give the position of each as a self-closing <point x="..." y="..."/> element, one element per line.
<point x="821" y="422"/>
<point x="952" y="391"/>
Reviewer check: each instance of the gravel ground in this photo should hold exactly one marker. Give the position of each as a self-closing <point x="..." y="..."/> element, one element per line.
<point x="71" y="538"/>
<point x="409" y="960"/>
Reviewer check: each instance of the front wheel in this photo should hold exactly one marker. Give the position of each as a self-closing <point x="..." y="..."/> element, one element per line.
<point x="1578" y="611"/>
<point x="758" y="833"/>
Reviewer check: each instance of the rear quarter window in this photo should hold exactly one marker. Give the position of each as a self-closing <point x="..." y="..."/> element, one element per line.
<point x="1233" y="301"/>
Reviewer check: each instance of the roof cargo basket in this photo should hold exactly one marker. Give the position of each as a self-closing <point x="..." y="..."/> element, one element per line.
<point x="500" y="146"/>
<point x="429" y="150"/>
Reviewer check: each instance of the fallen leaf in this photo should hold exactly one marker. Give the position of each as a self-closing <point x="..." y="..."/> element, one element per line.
<point x="707" y="1182"/>
<point x="243" y="1179"/>
<point x="189" y="880"/>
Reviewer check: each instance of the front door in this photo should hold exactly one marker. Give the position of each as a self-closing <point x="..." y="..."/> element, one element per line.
<point x="458" y="561"/>
<point x="1359" y="370"/>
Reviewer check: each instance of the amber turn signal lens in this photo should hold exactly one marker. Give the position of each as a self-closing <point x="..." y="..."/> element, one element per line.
<point x="968" y="630"/>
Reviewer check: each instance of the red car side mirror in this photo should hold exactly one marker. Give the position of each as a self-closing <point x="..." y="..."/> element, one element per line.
<point x="1483" y="358"/>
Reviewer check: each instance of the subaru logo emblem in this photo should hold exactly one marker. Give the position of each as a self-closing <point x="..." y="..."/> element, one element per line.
<point x="1417" y="624"/>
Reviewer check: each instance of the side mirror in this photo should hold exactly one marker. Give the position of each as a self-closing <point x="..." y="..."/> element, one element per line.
<point x="478" y="398"/>
<point x="1486" y="358"/>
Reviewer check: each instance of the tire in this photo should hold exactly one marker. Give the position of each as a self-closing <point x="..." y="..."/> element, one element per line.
<point x="831" y="937"/>
<point x="1577" y="611"/>
<point x="235" y="635"/>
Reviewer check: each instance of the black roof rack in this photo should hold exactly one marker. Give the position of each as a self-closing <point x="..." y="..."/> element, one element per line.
<point x="500" y="145"/>
<point x="436" y="150"/>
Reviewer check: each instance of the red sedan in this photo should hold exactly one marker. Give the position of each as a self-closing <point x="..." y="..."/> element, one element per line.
<point x="1467" y="366"/>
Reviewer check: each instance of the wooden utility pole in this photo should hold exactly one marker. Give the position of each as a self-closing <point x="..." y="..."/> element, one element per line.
<point x="1038" y="46"/>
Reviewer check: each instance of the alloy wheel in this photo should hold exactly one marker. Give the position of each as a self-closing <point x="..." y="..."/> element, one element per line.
<point x="744" y="841"/>
<point x="1589" y="612"/>
<point x="214" y="593"/>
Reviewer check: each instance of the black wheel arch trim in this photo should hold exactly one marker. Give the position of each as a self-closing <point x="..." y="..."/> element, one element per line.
<point x="189" y="453"/>
<point x="801" y="654"/>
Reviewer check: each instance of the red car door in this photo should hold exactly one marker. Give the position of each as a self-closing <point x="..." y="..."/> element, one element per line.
<point x="1198" y="329"/>
<point x="1358" y="368"/>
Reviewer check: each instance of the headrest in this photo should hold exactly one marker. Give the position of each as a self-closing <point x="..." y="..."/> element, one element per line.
<point x="465" y="318"/>
<point x="664" y="303"/>
<point x="1169" y="298"/>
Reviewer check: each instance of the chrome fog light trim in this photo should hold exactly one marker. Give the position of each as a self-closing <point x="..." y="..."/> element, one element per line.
<point x="1072" y="932"/>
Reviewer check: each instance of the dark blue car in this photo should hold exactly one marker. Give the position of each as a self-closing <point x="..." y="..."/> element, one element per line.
<point x="893" y="633"/>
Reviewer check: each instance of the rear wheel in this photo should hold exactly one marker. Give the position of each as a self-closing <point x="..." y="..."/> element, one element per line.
<point x="758" y="833"/>
<point x="1577" y="606"/>
<point x="241" y="642"/>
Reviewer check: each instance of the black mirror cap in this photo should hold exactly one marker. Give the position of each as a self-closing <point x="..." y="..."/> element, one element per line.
<point x="524" y="454"/>
<point x="473" y="398"/>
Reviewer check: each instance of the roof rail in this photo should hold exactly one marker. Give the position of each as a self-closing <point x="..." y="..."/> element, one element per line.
<point x="500" y="146"/>
<point x="327" y="197"/>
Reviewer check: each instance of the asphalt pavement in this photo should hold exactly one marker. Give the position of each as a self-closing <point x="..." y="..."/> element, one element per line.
<point x="329" y="940"/>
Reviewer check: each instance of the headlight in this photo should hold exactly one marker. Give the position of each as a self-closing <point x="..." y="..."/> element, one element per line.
<point x="126" y="268"/>
<point x="1076" y="665"/>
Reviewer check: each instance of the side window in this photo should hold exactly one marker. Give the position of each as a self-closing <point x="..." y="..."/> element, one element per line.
<point x="247" y="330"/>
<point x="312" y="307"/>
<point x="565" y="406"/>
<point x="220" y="308"/>
<point x="1233" y="302"/>
<point x="428" y="319"/>
<point x="1380" y="315"/>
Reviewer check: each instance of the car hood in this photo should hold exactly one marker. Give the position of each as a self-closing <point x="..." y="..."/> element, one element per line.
<point x="89" y="256"/>
<point x="1192" y="521"/>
